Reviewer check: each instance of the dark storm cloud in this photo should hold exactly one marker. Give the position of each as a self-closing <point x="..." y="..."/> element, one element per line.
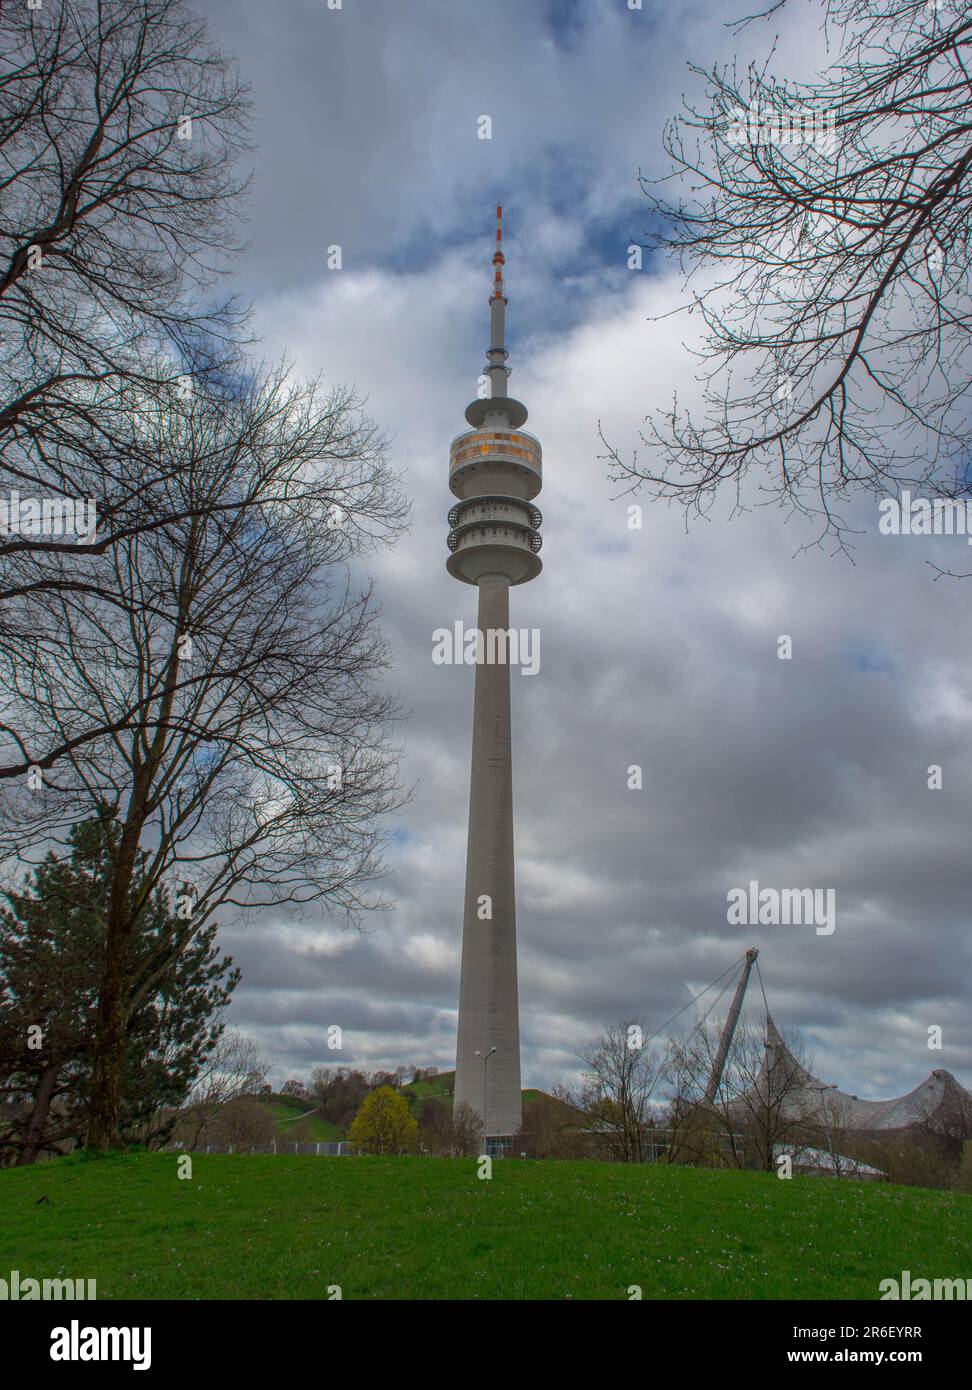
<point x="658" y="648"/>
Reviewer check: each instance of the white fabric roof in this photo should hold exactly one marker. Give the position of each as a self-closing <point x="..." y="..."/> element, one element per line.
<point x="939" y="1092"/>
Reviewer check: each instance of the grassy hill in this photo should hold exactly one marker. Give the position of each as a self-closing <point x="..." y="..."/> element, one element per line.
<point x="411" y="1228"/>
<point x="435" y="1088"/>
<point x="289" y="1112"/>
<point x="441" y="1087"/>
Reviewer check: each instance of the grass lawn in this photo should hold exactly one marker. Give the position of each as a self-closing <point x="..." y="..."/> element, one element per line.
<point x="400" y="1228"/>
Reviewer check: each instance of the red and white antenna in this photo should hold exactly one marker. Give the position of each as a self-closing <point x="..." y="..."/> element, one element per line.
<point x="499" y="260"/>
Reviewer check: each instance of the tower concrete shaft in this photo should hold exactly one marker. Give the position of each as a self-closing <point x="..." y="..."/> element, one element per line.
<point x="495" y="470"/>
<point x="488" y="1004"/>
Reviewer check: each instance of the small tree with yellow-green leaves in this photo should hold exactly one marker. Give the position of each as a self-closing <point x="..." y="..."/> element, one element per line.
<point x="383" y="1125"/>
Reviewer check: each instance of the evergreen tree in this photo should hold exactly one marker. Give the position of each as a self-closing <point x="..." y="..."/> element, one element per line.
<point x="52" y="948"/>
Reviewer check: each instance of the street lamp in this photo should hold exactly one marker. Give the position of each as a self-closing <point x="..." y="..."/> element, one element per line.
<point x="485" y="1058"/>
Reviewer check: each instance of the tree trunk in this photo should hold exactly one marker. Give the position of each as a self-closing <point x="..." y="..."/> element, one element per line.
<point x="109" y="1050"/>
<point x="38" y="1118"/>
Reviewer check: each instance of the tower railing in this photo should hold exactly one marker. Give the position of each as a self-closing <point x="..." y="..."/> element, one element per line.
<point x="487" y="530"/>
<point x="502" y="499"/>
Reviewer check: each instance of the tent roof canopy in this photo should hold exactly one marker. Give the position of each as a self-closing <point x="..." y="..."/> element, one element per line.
<point x="939" y="1094"/>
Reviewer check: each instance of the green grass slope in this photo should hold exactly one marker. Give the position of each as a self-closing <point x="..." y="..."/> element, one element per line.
<point x="436" y="1088"/>
<point x="440" y="1088"/>
<point x="402" y="1228"/>
<point x="289" y="1114"/>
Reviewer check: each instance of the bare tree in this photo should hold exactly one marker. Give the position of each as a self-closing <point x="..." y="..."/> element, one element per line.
<point x="826" y="226"/>
<point x="929" y="1152"/>
<point x="231" y="1070"/>
<point x="949" y="1121"/>
<point x="260" y="444"/>
<point x="236" y="675"/>
<point x="764" y="1095"/>
<point x="828" y="1130"/>
<point x="239" y="1124"/>
<point x="552" y="1128"/>
<point x="620" y="1075"/>
<point x="446" y="1131"/>
<point x="695" y="1136"/>
<point x="120" y="131"/>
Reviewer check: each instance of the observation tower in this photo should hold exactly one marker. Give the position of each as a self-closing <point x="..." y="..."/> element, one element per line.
<point x="495" y="471"/>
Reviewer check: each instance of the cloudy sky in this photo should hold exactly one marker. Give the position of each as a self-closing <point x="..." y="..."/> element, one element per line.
<point x="658" y="646"/>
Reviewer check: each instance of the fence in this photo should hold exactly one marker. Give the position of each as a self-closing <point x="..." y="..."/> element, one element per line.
<point x="324" y="1149"/>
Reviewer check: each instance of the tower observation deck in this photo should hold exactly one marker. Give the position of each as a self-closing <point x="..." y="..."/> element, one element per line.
<point x="495" y="472"/>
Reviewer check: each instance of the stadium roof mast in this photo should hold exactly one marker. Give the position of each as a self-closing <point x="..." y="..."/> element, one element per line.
<point x="732" y="1018"/>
